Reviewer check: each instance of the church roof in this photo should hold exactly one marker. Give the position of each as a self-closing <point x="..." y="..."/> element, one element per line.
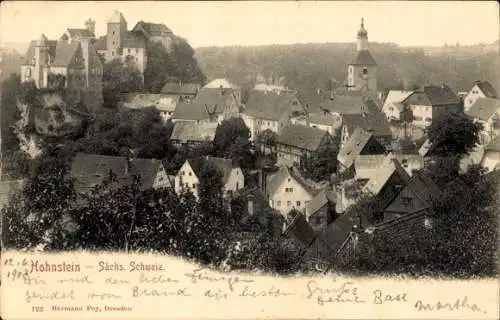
<point x="364" y="57"/>
<point x="86" y="33"/>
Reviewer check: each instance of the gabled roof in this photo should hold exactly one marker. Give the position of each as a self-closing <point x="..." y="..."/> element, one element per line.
<point x="207" y="102"/>
<point x="162" y="102"/>
<point x="65" y="53"/>
<point x="487" y="89"/>
<point x="270" y="105"/>
<point x="484" y="108"/>
<point x="181" y="88"/>
<point x="367" y="165"/>
<point x="420" y="191"/>
<point x="437" y="95"/>
<point x="30" y="53"/>
<point x="395" y="97"/>
<point x="318" y="202"/>
<point x="190" y="131"/>
<point x="92" y="169"/>
<point x="153" y="29"/>
<point x="379" y="180"/>
<point x="313" y="100"/>
<point x="494" y="145"/>
<point x="345" y="104"/>
<point x="375" y="123"/>
<point x="364" y="57"/>
<point x="217" y="83"/>
<point x="275" y="180"/>
<point x="353" y="147"/>
<point x="225" y="166"/>
<point x="85" y="33"/>
<point x="302" y="137"/>
<point x="325" y="118"/>
<point x="337" y="233"/>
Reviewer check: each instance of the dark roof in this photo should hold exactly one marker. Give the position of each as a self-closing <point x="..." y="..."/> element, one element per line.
<point x="319" y="201"/>
<point x="154" y="29"/>
<point x="436" y="95"/>
<point x="65" y="53"/>
<point x="483" y="108"/>
<point x="312" y="101"/>
<point x="91" y="169"/>
<point x="192" y="132"/>
<point x="337" y="232"/>
<point x="207" y="101"/>
<point x="375" y="123"/>
<point x="383" y="175"/>
<point x="270" y="105"/>
<point x="80" y="33"/>
<point x="487" y="89"/>
<point x="345" y="104"/>
<point x="494" y="145"/>
<point x="181" y="88"/>
<point x="225" y="166"/>
<point x="302" y="137"/>
<point x="364" y="57"/>
<point x="353" y="147"/>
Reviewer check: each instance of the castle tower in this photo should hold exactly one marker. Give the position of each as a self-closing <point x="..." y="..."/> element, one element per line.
<point x="117" y="30"/>
<point x="362" y="71"/>
<point x="41" y="60"/>
<point x="90" y="25"/>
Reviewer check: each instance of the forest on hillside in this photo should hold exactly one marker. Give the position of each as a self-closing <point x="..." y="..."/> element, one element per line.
<point x="311" y="66"/>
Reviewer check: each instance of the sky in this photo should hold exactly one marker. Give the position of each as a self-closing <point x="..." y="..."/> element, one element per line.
<point x="415" y="23"/>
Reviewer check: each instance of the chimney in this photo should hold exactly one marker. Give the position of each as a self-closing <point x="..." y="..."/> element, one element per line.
<point x="221" y="90"/>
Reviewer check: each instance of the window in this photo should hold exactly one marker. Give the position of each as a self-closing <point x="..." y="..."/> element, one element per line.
<point x="136" y="50"/>
<point x="189" y="174"/>
<point x="113" y="33"/>
<point x="294" y="103"/>
<point x="278" y="203"/>
<point x="289" y="203"/>
<point x="194" y="185"/>
<point x="183" y="173"/>
<point x="365" y="71"/>
<point x="129" y="51"/>
<point x="298" y="203"/>
<point x="406" y="201"/>
<point x="317" y="220"/>
<point x="113" y="43"/>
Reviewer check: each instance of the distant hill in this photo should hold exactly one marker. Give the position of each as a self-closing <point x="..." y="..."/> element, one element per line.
<point x="20" y="47"/>
<point x="311" y="66"/>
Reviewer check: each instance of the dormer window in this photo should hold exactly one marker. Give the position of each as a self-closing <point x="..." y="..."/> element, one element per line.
<point x="365" y="71"/>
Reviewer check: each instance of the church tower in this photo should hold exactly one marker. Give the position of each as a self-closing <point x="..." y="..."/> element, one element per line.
<point x="117" y="32"/>
<point x="362" y="71"/>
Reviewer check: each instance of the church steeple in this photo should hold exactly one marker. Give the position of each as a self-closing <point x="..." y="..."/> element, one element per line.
<point x="362" y="39"/>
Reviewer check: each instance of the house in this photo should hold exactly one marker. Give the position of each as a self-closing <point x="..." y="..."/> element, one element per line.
<point x="209" y="105"/>
<point x="270" y="110"/>
<point x="393" y="106"/>
<point x="324" y="120"/>
<point x="164" y="103"/>
<point x="184" y="91"/>
<point x="90" y="170"/>
<point x="187" y="178"/>
<point x="366" y="166"/>
<point x="430" y="102"/>
<point x="361" y="142"/>
<point x="491" y="159"/>
<point x="480" y="89"/>
<point x="221" y="83"/>
<point x="320" y="210"/>
<point x="418" y="194"/>
<point x="72" y="64"/>
<point x="374" y="123"/>
<point x="296" y="141"/>
<point x="190" y="133"/>
<point x="286" y="190"/>
<point x="387" y="183"/>
<point x="486" y="111"/>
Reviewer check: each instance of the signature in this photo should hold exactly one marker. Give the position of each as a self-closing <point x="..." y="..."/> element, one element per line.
<point x="459" y="303"/>
<point x="346" y="293"/>
<point x="55" y="295"/>
<point x="200" y="275"/>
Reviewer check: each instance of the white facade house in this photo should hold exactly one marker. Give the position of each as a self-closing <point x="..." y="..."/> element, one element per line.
<point x="187" y="178"/>
<point x="486" y="111"/>
<point x="393" y="106"/>
<point x="481" y="89"/>
<point x="491" y="158"/>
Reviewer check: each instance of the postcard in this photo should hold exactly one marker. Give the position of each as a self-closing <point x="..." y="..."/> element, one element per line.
<point x="240" y="160"/>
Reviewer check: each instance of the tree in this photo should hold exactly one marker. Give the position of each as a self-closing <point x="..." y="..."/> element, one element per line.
<point x="227" y="133"/>
<point x="267" y="139"/>
<point x="119" y="78"/>
<point x="453" y="134"/>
